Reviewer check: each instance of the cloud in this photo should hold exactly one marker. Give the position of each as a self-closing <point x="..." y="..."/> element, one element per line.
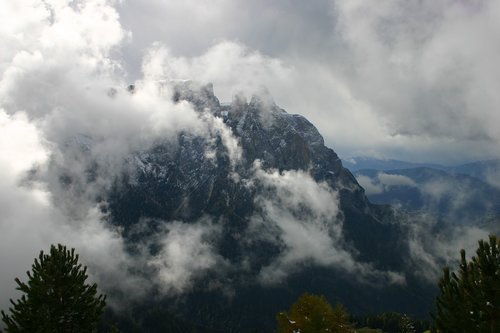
<point x="493" y="175"/>
<point x="436" y="190"/>
<point x="303" y="218"/>
<point x="21" y="207"/>
<point x="447" y="215"/>
<point x="430" y="251"/>
<point x="395" y="180"/>
<point x="426" y="68"/>
<point x="274" y="27"/>
<point x="230" y="66"/>
<point x="382" y="182"/>
<point x="370" y="185"/>
<point x="450" y="214"/>
<point x="30" y="222"/>
<point x="401" y="73"/>
<point x="186" y="252"/>
<point x="68" y="126"/>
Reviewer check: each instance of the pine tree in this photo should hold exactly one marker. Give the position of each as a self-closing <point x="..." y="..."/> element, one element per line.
<point x="470" y="301"/>
<point x="56" y="298"/>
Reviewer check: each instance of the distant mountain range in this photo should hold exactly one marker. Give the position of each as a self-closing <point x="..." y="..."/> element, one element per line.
<point x="360" y="163"/>
<point x="487" y="171"/>
<point x="461" y="195"/>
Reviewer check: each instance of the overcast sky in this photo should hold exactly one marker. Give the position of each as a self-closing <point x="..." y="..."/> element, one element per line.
<point x="402" y="79"/>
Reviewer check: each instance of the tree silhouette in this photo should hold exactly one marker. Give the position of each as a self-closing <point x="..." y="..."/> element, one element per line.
<point x="470" y="301"/>
<point x="56" y="297"/>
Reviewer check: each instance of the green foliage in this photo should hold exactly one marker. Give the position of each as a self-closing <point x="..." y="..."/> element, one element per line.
<point x="311" y="314"/>
<point x="56" y="298"/>
<point x="469" y="301"/>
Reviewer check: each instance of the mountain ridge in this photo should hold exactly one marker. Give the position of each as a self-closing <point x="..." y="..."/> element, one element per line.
<point x="485" y="170"/>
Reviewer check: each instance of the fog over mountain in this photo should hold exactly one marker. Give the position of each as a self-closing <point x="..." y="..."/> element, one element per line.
<point x="153" y="138"/>
<point x="414" y="77"/>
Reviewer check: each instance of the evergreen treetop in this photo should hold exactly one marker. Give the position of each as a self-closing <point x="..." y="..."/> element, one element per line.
<point x="56" y="297"/>
<point x="469" y="301"/>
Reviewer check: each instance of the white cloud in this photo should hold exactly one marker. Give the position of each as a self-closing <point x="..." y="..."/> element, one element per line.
<point x="21" y="207"/>
<point x="426" y="68"/>
<point x="59" y="119"/>
<point x="30" y="222"/>
<point x="187" y="250"/>
<point x="20" y="144"/>
<point x="230" y="66"/>
<point x="401" y="73"/>
<point x="382" y="182"/>
<point x="395" y="180"/>
<point x="430" y="250"/>
<point x="304" y="219"/>
<point x="370" y="185"/>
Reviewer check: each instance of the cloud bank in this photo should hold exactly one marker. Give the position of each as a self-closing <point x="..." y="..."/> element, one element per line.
<point x="382" y="182"/>
<point x="68" y="124"/>
<point x="442" y="213"/>
<point x="303" y="218"/>
<point x="417" y="79"/>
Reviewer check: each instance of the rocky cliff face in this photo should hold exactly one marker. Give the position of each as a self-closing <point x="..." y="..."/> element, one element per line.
<point x="195" y="177"/>
<point x="215" y="176"/>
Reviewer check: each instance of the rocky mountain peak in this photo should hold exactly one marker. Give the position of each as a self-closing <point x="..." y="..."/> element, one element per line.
<point x="281" y="153"/>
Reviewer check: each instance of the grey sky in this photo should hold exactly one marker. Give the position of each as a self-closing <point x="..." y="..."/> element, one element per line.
<point x="405" y="79"/>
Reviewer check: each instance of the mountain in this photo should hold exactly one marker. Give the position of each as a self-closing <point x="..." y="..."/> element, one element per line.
<point x="276" y="210"/>
<point x="487" y="171"/>
<point x="184" y="184"/>
<point x="367" y="163"/>
<point x="455" y="198"/>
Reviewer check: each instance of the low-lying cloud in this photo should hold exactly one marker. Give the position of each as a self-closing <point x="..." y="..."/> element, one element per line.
<point x="442" y="213"/>
<point x="304" y="219"/>
<point x="430" y="250"/>
<point x="382" y="182"/>
<point x="68" y="124"/>
<point x="186" y="251"/>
